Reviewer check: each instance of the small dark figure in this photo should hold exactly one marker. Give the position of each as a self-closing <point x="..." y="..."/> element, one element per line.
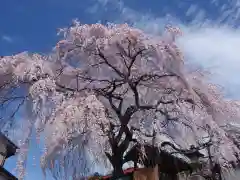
<point x="96" y="174"/>
<point x="216" y="172"/>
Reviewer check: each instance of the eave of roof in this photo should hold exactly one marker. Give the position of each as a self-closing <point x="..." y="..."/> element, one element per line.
<point x="11" y="147"/>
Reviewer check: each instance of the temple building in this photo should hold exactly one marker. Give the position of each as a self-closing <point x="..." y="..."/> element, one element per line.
<point x="7" y="149"/>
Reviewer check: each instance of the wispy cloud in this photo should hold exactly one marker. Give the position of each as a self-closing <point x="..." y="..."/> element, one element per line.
<point x="7" y="38"/>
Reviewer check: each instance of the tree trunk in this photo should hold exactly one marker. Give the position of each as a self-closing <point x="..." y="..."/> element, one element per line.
<point x="116" y="159"/>
<point x="117" y="164"/>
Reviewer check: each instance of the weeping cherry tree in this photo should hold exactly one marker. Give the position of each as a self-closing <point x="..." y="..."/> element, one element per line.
<point x="104" y="89"/>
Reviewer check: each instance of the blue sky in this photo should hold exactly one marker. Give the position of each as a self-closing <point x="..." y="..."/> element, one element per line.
<point x="211" y="38"/>
<point x="31" y="25"/>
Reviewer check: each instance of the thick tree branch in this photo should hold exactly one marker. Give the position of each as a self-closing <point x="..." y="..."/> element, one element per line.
<point x="102" y="56"/>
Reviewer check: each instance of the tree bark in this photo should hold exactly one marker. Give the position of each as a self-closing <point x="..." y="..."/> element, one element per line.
<point x="117" y="163"/>
<point x="116" y="159"/>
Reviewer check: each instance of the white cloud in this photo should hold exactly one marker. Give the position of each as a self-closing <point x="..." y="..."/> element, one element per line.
<point x="7" y="38"/>
<point x="217" y="49"/>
